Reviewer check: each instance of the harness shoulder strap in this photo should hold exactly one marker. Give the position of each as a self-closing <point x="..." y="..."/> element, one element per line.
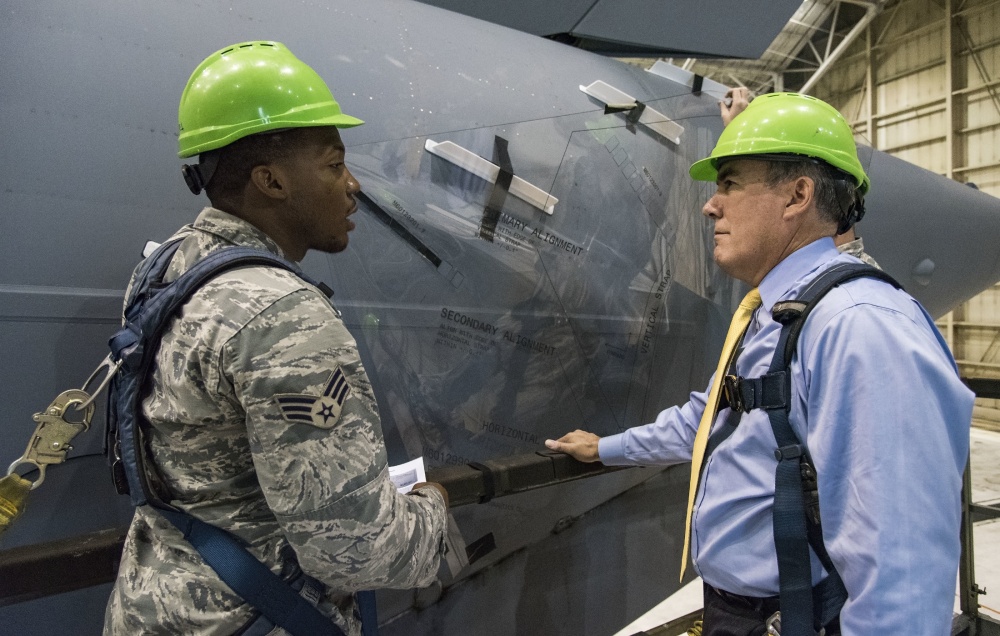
<point x="796" y="520"/>
<point x="148" y="312"/>
<point x="150" y="309"/>
<point x="793" y="313"/>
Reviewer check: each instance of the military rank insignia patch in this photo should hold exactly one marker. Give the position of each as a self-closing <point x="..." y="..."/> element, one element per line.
<point x="322" y="411"/>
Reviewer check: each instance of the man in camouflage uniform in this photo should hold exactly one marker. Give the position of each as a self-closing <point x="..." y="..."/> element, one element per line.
<point x="262" y="419"/>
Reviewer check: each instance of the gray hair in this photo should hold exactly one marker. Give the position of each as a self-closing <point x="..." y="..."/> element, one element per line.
<point x="836" y="191"/>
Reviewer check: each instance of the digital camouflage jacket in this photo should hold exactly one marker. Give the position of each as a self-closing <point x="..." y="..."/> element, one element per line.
<point x="263" y="423"/>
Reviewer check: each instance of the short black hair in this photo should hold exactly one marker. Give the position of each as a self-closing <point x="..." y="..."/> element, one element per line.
<point x="238" y="159"/>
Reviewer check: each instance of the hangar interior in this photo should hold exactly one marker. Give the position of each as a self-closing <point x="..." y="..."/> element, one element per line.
<point x="917" y="79"/>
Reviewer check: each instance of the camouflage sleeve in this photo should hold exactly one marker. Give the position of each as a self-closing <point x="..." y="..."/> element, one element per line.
<point x="317" y="447"/>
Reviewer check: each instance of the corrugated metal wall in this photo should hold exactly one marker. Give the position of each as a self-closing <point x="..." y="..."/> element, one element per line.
<point x="924" y="85"/>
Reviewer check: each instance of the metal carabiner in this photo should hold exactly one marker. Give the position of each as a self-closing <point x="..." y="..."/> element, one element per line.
<point x="111" y="370"/>
<point x="773" y="624"/>
<point x="51" y="439"/>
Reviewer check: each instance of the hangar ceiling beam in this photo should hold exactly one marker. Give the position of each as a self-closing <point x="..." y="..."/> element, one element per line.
<point x="871" y="10"/>
<point x="812" y="40"/>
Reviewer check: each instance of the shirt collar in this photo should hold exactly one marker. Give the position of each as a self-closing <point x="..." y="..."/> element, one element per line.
<point x="234" y="230"/>
<point x="797" y="266"/>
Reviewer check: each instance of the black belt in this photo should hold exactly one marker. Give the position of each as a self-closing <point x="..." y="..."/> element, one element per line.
<point x="729" y="614"/>
<point x="764" y="605"/>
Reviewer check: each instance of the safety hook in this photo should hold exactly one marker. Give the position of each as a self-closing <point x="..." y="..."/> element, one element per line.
<point x="111" y="368"/>
<point x="51" y="439"/>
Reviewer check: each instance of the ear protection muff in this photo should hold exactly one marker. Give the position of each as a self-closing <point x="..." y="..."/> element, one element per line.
<point x="851" y="203"/>
<point x="197" y="177"/>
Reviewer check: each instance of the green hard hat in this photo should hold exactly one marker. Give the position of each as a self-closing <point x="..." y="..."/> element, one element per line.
<point x="250" y="88"/>
<point x="787" y="123"/>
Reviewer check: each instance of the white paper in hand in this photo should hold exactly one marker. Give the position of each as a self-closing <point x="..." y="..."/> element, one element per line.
<point x="405" y="475"/>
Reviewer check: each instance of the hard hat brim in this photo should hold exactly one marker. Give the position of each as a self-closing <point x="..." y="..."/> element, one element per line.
<point x="192" y="147"/>
<point x="704" y="170"/>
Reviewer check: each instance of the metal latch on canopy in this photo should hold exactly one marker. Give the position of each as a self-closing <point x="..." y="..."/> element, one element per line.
<point x="617" y="101"/>
<point x="468" y="160"/>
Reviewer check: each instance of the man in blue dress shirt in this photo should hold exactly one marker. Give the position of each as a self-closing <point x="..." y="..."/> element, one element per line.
<point x="876" y="396"/>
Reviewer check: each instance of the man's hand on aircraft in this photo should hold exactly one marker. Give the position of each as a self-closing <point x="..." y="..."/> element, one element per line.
<point x="736" y="101"/>
<point x="581" y="445"/>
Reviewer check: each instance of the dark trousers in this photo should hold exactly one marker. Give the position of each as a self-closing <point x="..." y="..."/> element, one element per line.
<point x="734" y="615"/>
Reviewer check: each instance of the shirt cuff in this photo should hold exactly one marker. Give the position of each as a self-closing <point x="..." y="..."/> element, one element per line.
<point x="611" y="450"/>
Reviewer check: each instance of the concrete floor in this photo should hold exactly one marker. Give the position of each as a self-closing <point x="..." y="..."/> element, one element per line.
<point x="985" y="489"/>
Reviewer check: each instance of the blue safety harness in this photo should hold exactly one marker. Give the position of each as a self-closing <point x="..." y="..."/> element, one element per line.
<point x="149" y="310"/>
<point x="804" y="609"/>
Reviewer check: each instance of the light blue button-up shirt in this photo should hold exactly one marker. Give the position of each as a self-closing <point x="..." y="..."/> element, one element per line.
<point x="877" y="399"/>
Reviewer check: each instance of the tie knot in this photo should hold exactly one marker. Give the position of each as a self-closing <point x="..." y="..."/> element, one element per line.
<point x="752" y="300"/>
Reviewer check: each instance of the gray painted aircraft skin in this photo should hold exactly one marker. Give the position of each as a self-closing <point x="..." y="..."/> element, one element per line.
<point x="599" y="314"/>
<point x="642" y="28"/>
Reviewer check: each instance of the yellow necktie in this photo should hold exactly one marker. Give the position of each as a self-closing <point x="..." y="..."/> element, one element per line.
<point x="741" y="320"/>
